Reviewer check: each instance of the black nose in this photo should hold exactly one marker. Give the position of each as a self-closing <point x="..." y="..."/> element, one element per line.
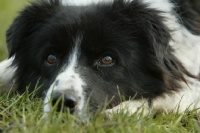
<point x="64" y="101"/>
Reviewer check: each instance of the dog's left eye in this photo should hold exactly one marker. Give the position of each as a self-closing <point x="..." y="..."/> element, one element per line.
<point x="51" y="59"/>
<point x="106" y="61"/>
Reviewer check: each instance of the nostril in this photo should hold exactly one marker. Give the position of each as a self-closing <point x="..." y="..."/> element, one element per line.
<point x="70" y="102"/>
<point x="66" y="101"/>
<point x="57" y="82"/>
<point x="57" y="100"/>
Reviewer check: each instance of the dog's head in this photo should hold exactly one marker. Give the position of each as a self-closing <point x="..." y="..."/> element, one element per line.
<point x="92" y="53"/>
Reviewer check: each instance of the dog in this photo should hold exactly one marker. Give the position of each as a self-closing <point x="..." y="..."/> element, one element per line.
<point x="89" y="53"/>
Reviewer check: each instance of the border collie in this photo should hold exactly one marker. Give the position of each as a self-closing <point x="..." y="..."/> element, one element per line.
<point x="92" y="52"/>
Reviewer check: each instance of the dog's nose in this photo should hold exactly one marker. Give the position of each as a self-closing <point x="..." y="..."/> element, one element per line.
<point x="64" y="101"/>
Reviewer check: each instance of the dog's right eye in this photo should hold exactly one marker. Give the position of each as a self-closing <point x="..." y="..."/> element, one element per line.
<point x="51" y="59"/>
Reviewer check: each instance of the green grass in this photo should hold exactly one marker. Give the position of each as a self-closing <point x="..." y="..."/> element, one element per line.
<point x="23" y="114"/>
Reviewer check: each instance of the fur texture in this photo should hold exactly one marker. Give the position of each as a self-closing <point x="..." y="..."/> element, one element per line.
<point x="153" y="44"/>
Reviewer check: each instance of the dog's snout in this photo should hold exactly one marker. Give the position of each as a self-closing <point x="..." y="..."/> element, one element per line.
<point x="64" y="101"/>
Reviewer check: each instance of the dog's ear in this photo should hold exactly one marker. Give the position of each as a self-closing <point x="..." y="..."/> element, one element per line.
<point x="151" y="23"/>
<point x="32" y="18"/>
<point x="159" y="38"/>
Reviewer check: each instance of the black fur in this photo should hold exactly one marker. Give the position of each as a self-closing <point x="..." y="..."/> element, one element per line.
<point x="188" y="11"/>
<point x="133" y="34"/>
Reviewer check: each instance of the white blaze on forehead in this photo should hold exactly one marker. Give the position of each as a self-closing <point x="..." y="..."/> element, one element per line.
<point x="68" y="79"/>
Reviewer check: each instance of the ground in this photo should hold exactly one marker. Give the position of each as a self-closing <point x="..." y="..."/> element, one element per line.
<point x="23" y="113"/>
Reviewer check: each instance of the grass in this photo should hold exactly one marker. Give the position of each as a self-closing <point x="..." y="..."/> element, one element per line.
<point x="23" y="114"/>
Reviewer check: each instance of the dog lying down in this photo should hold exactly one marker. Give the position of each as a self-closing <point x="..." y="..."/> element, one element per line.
<point x="148" y="51"/>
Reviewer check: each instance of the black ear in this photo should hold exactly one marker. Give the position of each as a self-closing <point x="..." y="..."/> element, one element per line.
<point x="189" y="12"/>
<point x="32" y="18"/>
<point x="151" y="23"/>
<point x="159" y="38"/>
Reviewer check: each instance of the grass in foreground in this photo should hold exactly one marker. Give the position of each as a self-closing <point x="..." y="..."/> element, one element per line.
<point x="23" y="114"/>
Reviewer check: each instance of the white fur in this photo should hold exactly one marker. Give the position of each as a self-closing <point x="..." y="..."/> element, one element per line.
<point x="6" y="71"/>
<point x="177" y="102"/>
<point x="69" y="79"/>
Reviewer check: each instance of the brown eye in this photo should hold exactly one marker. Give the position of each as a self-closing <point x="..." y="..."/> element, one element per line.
<point x="51" y="59"/>
<point x="106" y="60"/>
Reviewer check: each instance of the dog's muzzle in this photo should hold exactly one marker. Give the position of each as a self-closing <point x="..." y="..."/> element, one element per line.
<point x="66" y="93"/>
<point x="65" y="100"/>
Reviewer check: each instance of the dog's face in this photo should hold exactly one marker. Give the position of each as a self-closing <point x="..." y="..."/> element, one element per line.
<point x="91" y="54"/>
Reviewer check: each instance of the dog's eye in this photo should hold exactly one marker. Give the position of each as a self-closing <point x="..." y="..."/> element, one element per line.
<point x="51" y="59"/>
<point x="106" y="60"/>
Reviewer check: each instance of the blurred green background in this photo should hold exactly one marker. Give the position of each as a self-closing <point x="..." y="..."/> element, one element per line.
<point x="8" y="11"/>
